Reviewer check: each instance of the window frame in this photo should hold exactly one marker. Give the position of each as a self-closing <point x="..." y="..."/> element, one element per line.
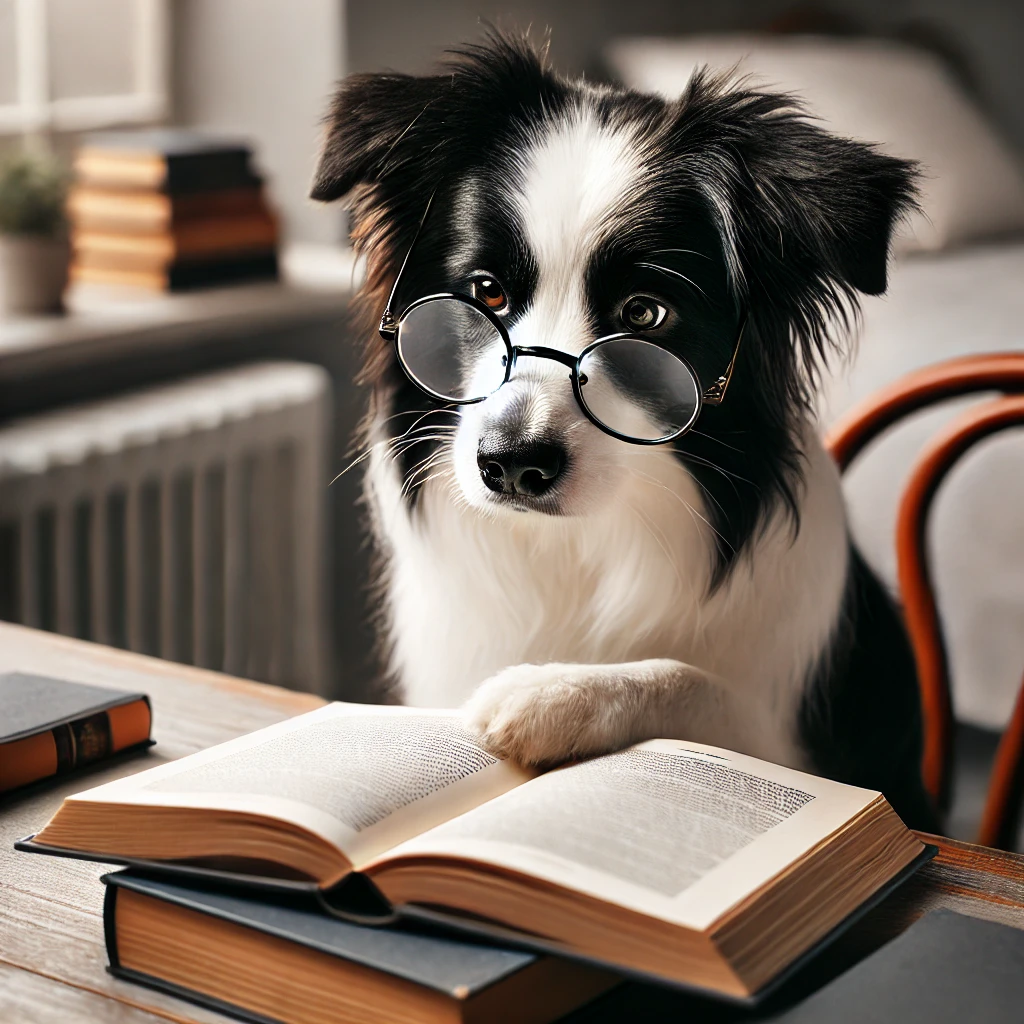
<point x="36" y="111"/>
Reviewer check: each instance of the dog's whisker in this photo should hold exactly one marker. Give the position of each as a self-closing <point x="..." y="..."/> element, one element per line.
<point x="420" y="475"/>
<point x="704" y="488"/>
<point x="728" y="474"/>
<point x="361" y="457"/>
<point x="717" y="440"/>
<point x="407" y="412"/>
<point x="366" y="452"/>
<point x="428" y="412"/>
<point x="694" y="252"/>
<point x="674" y="273"/>
<point x="706" y="491"/>
<point x="693" y="512"/>
<point x="661" y="540"/>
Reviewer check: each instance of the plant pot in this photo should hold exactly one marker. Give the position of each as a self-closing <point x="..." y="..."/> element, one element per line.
<point x="33" y="274"/>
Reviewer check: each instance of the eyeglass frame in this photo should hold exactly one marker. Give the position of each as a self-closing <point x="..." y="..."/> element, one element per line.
<point x="390" y="326"/>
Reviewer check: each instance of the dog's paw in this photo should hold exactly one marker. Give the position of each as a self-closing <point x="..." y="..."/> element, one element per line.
<point x="543" y="715"/>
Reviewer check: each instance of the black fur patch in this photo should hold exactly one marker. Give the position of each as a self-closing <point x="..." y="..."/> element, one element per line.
<point x="861" y="717"/>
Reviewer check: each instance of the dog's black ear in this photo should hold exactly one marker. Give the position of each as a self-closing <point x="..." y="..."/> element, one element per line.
<point x="396" y="130"/>
<point x="797" y="202"/>
<point x="834" y="201"/>
<point x="369" y="116"/>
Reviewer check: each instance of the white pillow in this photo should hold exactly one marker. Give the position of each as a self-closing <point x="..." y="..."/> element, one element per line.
<point x="877" y="91"/>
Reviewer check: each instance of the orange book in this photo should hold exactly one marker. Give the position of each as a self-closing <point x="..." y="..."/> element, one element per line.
<point x="51" y="726"/>
<point x="228" y="268"/>
<point x="192" y="240"/>
<point x="118" y="212"/>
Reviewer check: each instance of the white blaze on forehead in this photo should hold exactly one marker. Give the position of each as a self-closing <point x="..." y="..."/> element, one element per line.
<point x="578" y="176"/>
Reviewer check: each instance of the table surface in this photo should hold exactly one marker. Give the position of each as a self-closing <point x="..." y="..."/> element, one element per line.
<point x="52" y="957"/>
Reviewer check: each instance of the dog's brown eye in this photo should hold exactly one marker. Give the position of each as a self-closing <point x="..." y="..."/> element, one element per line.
<point x="643" y="314"/>
<point x="490" y="293"/>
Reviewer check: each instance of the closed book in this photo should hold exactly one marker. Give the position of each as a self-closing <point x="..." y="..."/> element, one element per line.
<point x="174" y="161"/>
<point x="682" y="862"/>
<point x="288" y="961"/>
<point x="112" y="211"/>
<point x="185" y="275"/>
<point x="213" y="238"/>
<point x="52" y="726"/>
<point x="945" y="969"/>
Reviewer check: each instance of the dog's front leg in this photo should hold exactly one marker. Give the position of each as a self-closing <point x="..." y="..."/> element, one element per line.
<point x="545" y="714"/>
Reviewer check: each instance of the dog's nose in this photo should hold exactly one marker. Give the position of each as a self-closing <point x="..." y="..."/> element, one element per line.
<point x="528" y="468"/>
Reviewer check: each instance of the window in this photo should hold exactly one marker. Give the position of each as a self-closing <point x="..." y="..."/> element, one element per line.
<point x="69" y="65"/>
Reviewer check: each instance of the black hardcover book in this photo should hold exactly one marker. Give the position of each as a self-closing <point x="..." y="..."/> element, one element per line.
<point x="170" y="160"/>
<point x="945" y="969"/>
<point x="205" y="273"/>
<point x="52" y="726"/>
<point x="285" y="960"/>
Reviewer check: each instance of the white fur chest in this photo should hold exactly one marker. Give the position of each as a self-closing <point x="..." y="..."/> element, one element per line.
<point x="470" y="594"/>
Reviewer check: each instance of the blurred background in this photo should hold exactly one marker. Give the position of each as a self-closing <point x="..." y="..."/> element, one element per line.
<point x="176" y="375"/>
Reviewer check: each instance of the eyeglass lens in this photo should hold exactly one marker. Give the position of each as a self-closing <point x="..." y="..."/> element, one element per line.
<point x="638" y="389"/>
<point x="452" y="349"/>
<point x="631" y="386"/>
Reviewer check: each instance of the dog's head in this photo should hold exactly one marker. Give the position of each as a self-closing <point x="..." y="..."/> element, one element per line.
<point x="576" y="212"/>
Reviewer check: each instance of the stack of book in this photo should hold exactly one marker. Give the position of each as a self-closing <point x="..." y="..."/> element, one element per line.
<point x="364" y="863"/>
<point x="167" y="210"/>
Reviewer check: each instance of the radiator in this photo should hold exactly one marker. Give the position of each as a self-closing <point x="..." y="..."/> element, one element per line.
<point x="185" y="521"/>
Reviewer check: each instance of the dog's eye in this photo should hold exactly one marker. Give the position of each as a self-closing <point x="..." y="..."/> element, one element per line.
<point x="642" y="313"/>
<point x="490" y="293"/>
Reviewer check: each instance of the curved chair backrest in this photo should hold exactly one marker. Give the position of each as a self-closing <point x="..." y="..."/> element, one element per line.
<point x="1002" y="373"/>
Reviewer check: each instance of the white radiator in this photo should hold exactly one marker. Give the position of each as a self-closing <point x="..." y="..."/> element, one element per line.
<point x="185" y="521"/>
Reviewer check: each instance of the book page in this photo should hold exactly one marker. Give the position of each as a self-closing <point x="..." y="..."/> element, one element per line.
<point x="362" y="776"/>
<point x="678" y="830"/>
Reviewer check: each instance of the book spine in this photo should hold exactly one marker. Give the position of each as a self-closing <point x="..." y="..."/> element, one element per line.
<point x="201" y="273"/>
<point x="191" y="995"/>
<point x="187" y="174"/>
<point x="110" y="924"/>
<point x="115" y="967"/>
<point x="73" y="744"/>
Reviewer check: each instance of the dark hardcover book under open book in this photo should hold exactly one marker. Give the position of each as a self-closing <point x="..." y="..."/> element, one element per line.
<point x="945" y="969"/>
<point x="678" y="861"/>
<point x="267" y="959"/>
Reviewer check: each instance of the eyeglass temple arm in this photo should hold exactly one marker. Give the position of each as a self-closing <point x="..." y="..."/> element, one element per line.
<point x="388" y="322"/>
<point x="715" y="394"/>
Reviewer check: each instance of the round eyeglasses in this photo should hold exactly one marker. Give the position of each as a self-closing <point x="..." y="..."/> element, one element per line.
<point x="457" y="350"/>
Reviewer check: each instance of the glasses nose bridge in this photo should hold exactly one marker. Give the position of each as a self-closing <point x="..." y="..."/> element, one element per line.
<point x="543" y="352"/>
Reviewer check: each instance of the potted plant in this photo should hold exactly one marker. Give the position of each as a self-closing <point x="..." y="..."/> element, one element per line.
<point x="34" y="250"/>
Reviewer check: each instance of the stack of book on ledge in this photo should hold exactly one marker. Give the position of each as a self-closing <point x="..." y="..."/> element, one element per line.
<point x="375" y="863"/>
<point x="168" y="209"/>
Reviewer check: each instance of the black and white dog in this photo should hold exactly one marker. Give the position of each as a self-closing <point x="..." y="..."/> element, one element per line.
<point x="574" y="591"/>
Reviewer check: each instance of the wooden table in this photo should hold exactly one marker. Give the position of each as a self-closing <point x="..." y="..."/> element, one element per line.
<point x="52" y="958"/>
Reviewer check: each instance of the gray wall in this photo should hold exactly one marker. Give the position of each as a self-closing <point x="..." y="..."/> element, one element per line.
<point x="263" y="69"/>
<point x="987" y="36"/>
<point x="266" y="67"/>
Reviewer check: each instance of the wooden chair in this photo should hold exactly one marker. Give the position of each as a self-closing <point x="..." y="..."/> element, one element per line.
<point x="1002" y="373"/>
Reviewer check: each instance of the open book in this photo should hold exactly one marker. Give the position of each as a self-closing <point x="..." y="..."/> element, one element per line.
<point x="672" y="859"/>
